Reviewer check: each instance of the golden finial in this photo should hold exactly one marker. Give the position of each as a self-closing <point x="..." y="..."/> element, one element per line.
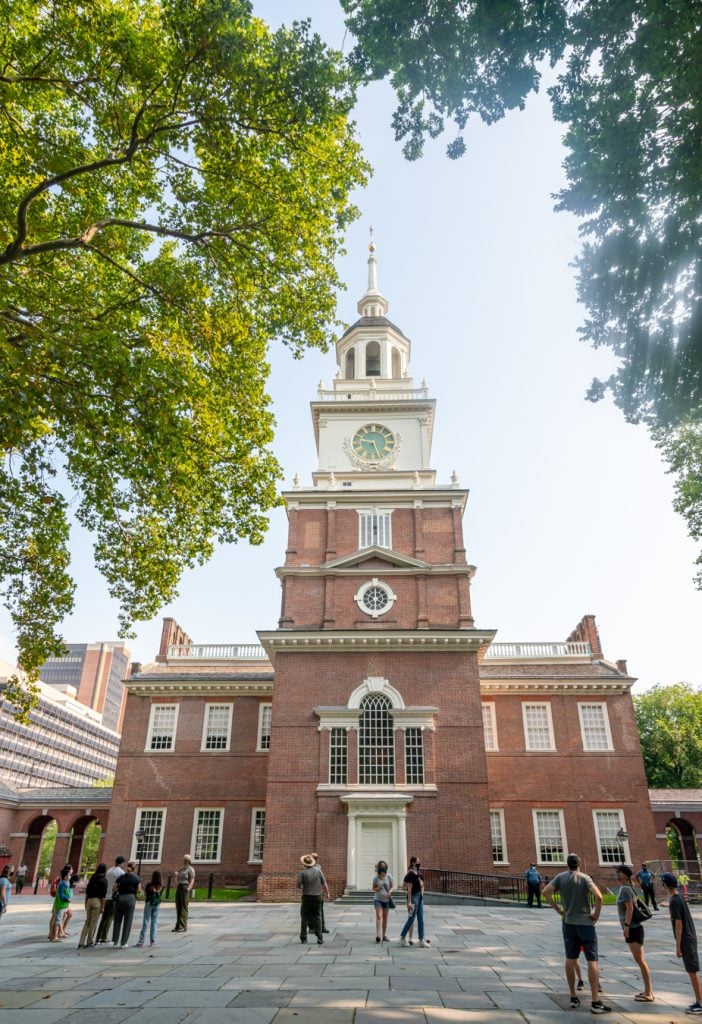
<point x="371" y="247"/>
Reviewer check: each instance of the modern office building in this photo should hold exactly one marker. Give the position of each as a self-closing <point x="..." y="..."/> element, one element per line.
<point x="96" y="672"/>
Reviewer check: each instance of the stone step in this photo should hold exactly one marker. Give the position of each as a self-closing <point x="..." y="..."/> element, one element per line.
<point x="356" y="896"/>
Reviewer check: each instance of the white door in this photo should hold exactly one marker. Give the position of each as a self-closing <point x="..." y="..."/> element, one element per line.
<point x="376" y="844"/>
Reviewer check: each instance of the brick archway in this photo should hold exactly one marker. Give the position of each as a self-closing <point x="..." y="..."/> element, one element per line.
<point x="32" y="844"/>
<point x="688" y="840"/>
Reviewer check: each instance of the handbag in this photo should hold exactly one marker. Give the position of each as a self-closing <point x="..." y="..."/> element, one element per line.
<point x="640" y="913"/>
<point x="391" y="904"/>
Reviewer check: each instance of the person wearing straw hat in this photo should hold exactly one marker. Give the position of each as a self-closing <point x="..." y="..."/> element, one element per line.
<point x="313" y="886"/>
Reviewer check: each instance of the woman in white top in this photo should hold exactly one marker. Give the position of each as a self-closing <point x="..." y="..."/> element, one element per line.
<point x="382" y="890"/>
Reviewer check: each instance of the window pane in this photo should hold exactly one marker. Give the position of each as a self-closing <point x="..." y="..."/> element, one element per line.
<point x="611" y="848"/>
<point x="264" y="740"/>
<point x="217" y="737"/>
<point x="163" y="727"/>
<point x="592" y="717"/>
<point x="498" y="840"/>
<point x="488" y="728"/>
<point x="549" y="837"/>
<point x="375" y="530"/>
<point x="338" y="757"/>
<point x="259" y="830"/>
<point x="207" y="835"/>
<point x="537" y="726"/>
<point x="414" y="757"/>
<point x="376" y="742"/>
<point x="152" y="824"/>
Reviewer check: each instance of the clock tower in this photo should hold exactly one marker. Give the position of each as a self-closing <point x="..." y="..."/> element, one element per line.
<point x="377" y="744"/>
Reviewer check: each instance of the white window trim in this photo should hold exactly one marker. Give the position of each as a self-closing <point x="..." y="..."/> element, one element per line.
<point x="137" y="824"/>
<point x="501" y="812"/>
<point x="608" y="732"/>
<point x="259" y="730"/>
<point x="375" y="582"/>
<point x="218" y="858"/>
<point x="490" y="705"/>
<point x="152" y="714"/>
<point x="543" y="704"/>
<point x="537" y="837"/>
<point x="622" y="825"/>
<point x="252" y="859"/>
<point x="203" y="741"/>
<point x="375" y="512"/>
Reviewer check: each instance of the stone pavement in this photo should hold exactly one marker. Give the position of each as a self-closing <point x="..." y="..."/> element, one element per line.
<point x="243" y="963"/>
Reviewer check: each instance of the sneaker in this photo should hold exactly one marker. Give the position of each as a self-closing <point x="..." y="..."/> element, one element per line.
<point x="109" y="943"/>
<point x="377" y="938"/>
<point x="574" y="1002"/>
<point x="694" y="1008"/>
<point x="151" y="945"/>
<point x="599" y="1007"/>
<point x="411" y="942"/>
<point x="125" y="945"/>
<point x="403" y="940"/>
<point x="580" y="986"/>
<point x="425" y="942"/>
<point x="138" y="945"/>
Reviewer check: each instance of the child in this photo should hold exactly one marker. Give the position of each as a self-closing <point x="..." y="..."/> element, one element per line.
<point x="685" y="938"/>
<point x="152" y="905"/>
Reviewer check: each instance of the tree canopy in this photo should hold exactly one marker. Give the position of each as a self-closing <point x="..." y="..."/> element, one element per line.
<point x="176" y="183"/>
<point x="628" y="91"/>
<point x="669" y="720"/>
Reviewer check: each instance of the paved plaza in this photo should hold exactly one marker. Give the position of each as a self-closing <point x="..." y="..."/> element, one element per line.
<point x="244" y="963"/>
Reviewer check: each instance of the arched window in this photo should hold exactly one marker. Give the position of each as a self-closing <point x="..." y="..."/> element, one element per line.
<point x="376" y="742"/>
<point x="350" y="364"/>
<point x="372" y="359"/>
<point x="396" y="365"/>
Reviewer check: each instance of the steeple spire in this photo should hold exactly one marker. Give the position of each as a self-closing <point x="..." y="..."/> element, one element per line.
<point x="372" y="304"/>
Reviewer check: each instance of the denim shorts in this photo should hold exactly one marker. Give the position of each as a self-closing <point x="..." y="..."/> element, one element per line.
<point x="383" y="904"/>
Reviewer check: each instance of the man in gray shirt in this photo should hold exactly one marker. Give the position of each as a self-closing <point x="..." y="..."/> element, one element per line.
<point x="579" y="922"/>
<point x="313" y="886"/>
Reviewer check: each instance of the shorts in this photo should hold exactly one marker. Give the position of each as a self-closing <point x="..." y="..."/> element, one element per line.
<point x="577" y="937"/>
<point x="636" y="934"/>
<point x="58" y="915"/>
<point x="690" y="957"/>
<point x="383" y="904"/>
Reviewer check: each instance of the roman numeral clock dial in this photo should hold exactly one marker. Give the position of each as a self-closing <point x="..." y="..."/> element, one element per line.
<point x="373" y="444"/>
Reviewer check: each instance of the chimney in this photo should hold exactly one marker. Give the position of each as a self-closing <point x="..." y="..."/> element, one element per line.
<point x="622" y="667"/>
<point x="586" y="632"/>
<point x="134" y="669"/>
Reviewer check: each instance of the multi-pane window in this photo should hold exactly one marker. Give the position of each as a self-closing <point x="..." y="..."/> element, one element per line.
<point x="594" y="726"/>
<point x="612" y="849"/>
<point x="207" y="834"/>
<point x="538" y="728"/>
<point x="376" y="742"/>
<point x="375" y="530"/>
<point x="148" y="847"/>
<point x="264" y="726"/>
<point x="258" y="831"/>
<point x="497" y="832"/>
<point x="162" y="727"/>
<point x="489" y="726"/>
<point x="218" y="718"/>
<point x="338" y="757"/>
<point x="550" y="839"/>
<point x="414" y="757"/>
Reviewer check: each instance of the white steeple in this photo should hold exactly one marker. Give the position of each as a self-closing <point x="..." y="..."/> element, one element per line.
<point x="372" y="303"/>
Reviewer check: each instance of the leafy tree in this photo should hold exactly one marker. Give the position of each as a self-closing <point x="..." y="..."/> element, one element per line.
<point x="48" y="842"/>
<point x="682" y="449"/>
<point x="175" y="188"/>
<point x="629" y="93"/>
<point x="669" y="720"/>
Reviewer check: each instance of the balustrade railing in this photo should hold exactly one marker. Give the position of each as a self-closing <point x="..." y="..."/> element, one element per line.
<point x="575" y="649"/>
<point x="211" y="652"/>
<point x="373" y="395"/>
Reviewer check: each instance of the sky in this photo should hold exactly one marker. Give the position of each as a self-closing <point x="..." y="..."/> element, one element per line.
<point x="570" y="508"/>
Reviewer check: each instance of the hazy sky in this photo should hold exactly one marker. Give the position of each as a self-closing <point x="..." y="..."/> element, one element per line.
<point x="570" y="510"/>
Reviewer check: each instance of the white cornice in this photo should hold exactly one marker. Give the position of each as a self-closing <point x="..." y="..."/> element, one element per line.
<point x="197" y="687"/>
<point x="384" y="554"/>
<point x="436" y="497"/>
<point x="454" y="641"/>
<point x="403" y="718"/>
<point x="455" y="569"/>
<point x="561" y="686"/>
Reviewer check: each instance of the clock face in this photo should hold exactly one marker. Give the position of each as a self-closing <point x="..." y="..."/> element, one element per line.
<point x="373" y="442"/>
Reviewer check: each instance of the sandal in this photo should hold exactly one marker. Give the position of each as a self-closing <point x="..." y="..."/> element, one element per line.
<point x="643" y="998"/>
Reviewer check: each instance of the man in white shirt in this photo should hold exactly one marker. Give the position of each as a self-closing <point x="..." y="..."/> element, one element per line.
<point x="109" y="911"/>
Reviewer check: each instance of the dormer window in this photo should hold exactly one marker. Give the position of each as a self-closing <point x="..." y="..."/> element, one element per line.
<point x="374" y="530"/>
<point x="372" y="359"/>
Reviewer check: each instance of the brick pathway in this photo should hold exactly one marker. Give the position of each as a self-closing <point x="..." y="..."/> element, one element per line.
<point x="244" y="964"/>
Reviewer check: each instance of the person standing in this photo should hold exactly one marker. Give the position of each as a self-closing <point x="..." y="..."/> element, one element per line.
<point x="645" y="878"/>
<point x="415" y="903"/>
<point x="533" y="880"/>
<point x="5" y="890"/>
<point x="109" y="909"/>
<point x="152" y="905"/>
<point x="633" y="933"/>
<point x="579" y="922"/>
<point x="185" y="880"/>
<point x="685" y="938"/>
<point x="95" y="896"/>
<point x="60" y="906"/>
<point x="313" y="887"/>
<point x="127" y="886"/>
<point x="21" y="877"/>
<point x="382" y="889"/>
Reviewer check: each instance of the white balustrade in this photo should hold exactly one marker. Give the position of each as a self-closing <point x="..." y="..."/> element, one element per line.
<point x="375" y="394"/>
<point x="574" y="649"/>
<point x="211" y="652"/>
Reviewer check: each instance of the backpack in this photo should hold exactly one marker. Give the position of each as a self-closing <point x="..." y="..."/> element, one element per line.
<point x="53" y="888"/>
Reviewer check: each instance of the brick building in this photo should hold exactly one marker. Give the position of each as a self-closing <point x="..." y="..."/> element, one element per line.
<point x="96" y="672"/>
<point x="377" y="720"/>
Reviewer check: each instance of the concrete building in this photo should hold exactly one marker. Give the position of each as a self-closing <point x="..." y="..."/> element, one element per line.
<point x="378" y="719"/>
<point x="96" y="672"/>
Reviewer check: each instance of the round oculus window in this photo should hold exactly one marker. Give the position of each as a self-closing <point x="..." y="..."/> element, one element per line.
<point x="375" y="598"/>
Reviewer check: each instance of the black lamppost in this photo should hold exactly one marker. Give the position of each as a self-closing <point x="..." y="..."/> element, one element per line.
<point x="622" y="836"/>
<point x="139" y="836"/>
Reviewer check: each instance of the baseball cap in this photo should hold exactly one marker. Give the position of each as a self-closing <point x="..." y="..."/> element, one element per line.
<point x="670" y="880"/>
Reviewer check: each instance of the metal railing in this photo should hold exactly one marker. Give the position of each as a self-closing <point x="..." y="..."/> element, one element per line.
<point x="210" y="652"/>
<point x="469" y="883"/>
<point x="371" y="394"/>
<point x="575" y="649"/>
